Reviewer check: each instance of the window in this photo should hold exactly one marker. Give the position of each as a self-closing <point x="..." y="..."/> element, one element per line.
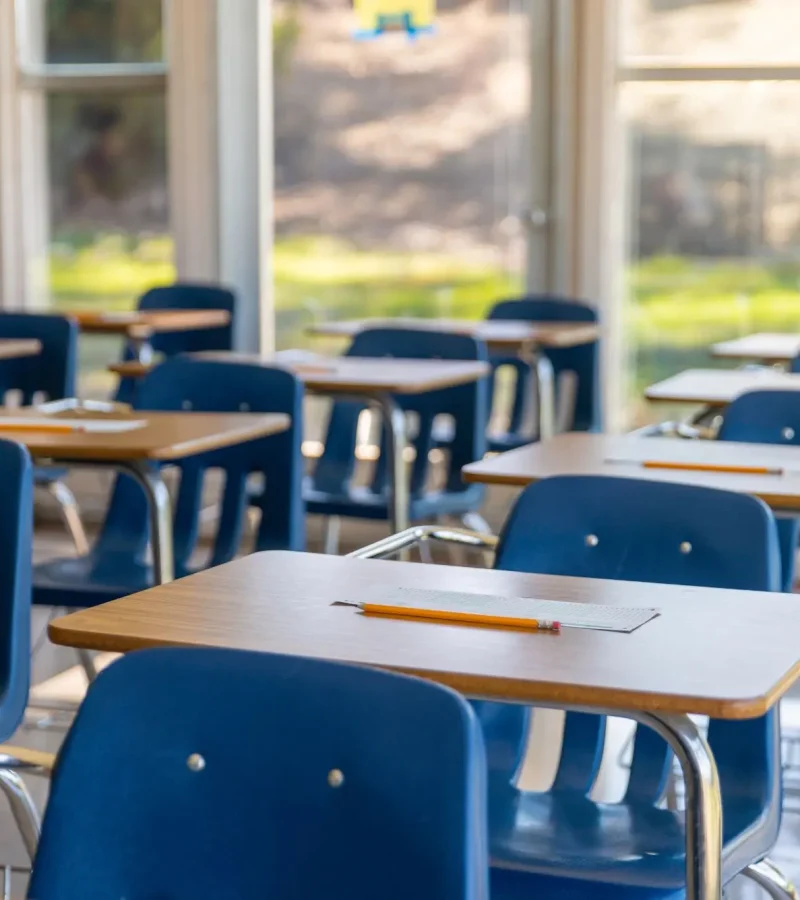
<point x="708" y="96"/>
<point x="401" y="166"/>
<point x="91" y="80"/>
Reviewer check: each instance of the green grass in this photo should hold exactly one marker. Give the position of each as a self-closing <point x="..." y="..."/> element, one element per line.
<point x="110" y="271"/>
<point x="685" y="302"/>
<point x="321" y="278"/>
<point x="675" y="308"/>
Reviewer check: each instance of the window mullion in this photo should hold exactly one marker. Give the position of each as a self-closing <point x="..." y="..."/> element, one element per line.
<point x="694" y="72"/>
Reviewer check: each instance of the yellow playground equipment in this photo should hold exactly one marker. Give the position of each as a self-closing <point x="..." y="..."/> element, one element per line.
<point x="375" y="17"/>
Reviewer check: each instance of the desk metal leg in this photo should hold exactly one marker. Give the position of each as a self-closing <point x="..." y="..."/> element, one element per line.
<point x="23" y="809"/>
<point x="143" y="350"/>
<point x="160" y="509"/>
<point x="769" y="877"/>
<point x="546" y="386"/>
<point x="395" y="422"/>
<point x="703" y="802"/>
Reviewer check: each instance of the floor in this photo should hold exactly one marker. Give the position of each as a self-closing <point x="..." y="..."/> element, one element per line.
<point x="49" y="661"/>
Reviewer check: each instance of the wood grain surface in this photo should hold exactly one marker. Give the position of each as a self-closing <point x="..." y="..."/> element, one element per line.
<point x="165" y="435"/>
<point x="624" y="455"/>
<point x="717" y="387"/>
<point x="509" y="334"/>
<point x="143" y="324"/>
<point x="15" y="348"/>
<point x="353" y="375"/>
<point x="765" y="346"/>
<point x="724" y="653"/>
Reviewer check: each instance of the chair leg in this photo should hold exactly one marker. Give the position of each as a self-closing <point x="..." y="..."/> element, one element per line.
<point x="671" y="794"/>
<point x="23" y="809"/>
<point x="475" y="522"/>
<point x="456" y="555"/>
<point x="768" y="876"/>
<point x="333" y="526"/>
<point x="70" y="514"/>
<point x="85" y="658"/>
<point x="87" y="664"/>
<point x="424" y="550"/>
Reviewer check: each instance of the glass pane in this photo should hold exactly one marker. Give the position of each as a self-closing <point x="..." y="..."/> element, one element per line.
<point x="715" y="221"/>
<point x="91" y="31"/>
<point x="109" y="208"/>
<point x="400" y="165"/>
<point x="714" y="31"/>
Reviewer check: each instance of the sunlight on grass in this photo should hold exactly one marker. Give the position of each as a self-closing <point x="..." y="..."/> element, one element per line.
<point x="326" y="261"/>
<point x="684" y="302"/>
<point x="676" y="306"/>
<point x="110" y="272"/>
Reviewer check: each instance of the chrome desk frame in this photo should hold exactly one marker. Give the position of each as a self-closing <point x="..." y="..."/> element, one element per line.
<point x="701" y="780"/>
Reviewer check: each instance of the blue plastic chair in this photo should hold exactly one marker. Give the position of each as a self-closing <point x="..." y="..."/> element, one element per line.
<point x="769" y="417"/>
<point x="51" y="375"/>
<point x="16" y="548"/>
<point x="347" y="783"/>
<point x="330" y="490"/>
<point x="635" y="848"/>
<point x="117" y="564"/>
<point x="582" y="360"/>
<point x="182" y="295"/>
<point x="16" y="540"/>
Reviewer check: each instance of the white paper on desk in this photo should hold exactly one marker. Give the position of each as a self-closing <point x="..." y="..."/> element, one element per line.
<point x="298" y="357"/>
<point x="107" y="426"/>
<point x="96" y="426"/>
<point x="623" y="619"/>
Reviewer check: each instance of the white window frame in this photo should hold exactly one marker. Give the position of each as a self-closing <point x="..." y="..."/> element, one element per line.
<point x="218" y="81"/>
<point x="601" y="219"/>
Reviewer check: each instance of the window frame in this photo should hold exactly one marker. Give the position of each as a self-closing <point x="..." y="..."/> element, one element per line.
<point x="220" y="180"/>
<point x="602" y="218"/>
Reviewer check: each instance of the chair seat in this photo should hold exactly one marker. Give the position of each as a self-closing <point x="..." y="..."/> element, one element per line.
<point x="362" y="503"/>
<point x="636" y="844"/>
<point x="507" y="884"/>
<point x="89" y="580"/>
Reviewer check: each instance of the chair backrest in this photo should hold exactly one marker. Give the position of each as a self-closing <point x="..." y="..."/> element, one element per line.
<point x="768" y="417"/>
<point x="53" y="371"/>
<point x="184" y="384"/>
<point x="763" y="417"/>
<point x="219" y="773"/>
<point x="465" y="404"/>
<point x="582" y="360"/>
<point x="636" y="530"/>
<point x="16" y="539"/>
<point x="182" y="295"/>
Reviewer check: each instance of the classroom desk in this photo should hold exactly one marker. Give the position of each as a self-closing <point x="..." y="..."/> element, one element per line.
<point x="377" y="381"/>
<point x="165" y="436"/>
<point x="16" y="348"/>
<point x="282" y="602"/>
<point x="767" y="347"/>
<point x="522" y="338"/>
<point x="139" y="326"/>
<point x="501" y="334"/>
<point x="717" y="387"/>
<point x="625" y="455"/>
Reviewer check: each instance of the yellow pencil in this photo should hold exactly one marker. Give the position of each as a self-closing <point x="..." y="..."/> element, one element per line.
<point x="52" y="427"/>
<point x="473" y="618"/>
<point x="711" y="467"/>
